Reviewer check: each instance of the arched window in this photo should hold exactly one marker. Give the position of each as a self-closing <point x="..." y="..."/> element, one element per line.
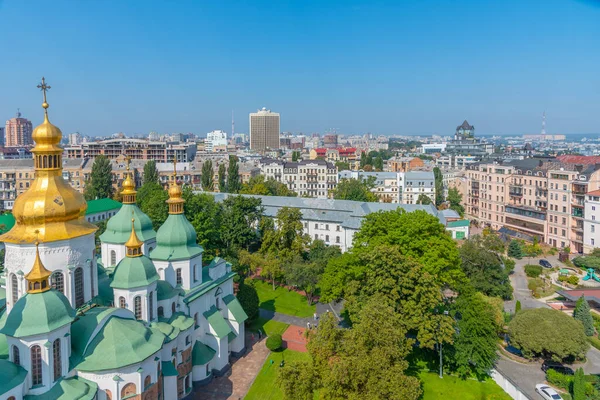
<point x="11" y="398"/>
<point x="16" y="356"/>
<point x="137" y="301"/>
<point x="172" y="308"/>
<point x="113" y="258"/>
<point x="108" y="394"/>
<point x="161" y="312"/>
<point x="36" y="365"/>
<point x="195" y="273"/>
<point x="179" y="280"/>
<point x="15" y="288"/>
<point x="57" y="281"/>
<point x="79" y="287"/>
<point x="57" y="359"/>
<point x="122" y="302"/>
<point x="128" y="390"/>
<point x="196" y="320"/>
<point x="147" y="382"/>
<point x="151" y="305"/>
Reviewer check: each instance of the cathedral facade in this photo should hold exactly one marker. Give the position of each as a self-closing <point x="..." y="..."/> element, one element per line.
<point x="142" y="320"/>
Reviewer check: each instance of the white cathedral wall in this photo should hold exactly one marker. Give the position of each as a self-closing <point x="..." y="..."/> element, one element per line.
<point x="167" y="271"/>
<point x="144" y="293"/>
<point x="24" y="345"/>
<point x="129" y="374"/>
<point x="63" y="256"/>
<point x="120" y="251"/>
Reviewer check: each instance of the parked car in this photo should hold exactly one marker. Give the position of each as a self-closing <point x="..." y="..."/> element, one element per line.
<point x="547" y="392"/>
<point x="545" y="264"/>
<point x="558" y="367"/>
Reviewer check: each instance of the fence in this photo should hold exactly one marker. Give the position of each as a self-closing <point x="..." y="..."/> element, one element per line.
<point x="509" y="386"/>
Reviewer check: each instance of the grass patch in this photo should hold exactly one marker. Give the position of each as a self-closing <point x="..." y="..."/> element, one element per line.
<point x="281" y="300"/>
<point x="265" y="385"/>
<point x="267" y="326"/>
<point x="541" y="288"/>
<point x="452" y="387"/>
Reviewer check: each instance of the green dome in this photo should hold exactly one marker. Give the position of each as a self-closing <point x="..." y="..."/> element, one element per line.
<point x="119" y="343"/>
<point x="176" y="240"/>
<point x="118" y="227"/>
<point x="11" y="376"/>
<point x="133" y="272"/>
<point x="38" y="313"/>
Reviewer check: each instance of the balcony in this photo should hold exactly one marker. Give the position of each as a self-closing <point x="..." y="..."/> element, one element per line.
<point x="528" y="212"/>
<point x="515" y="193"/>
<point x="577" y="212"/>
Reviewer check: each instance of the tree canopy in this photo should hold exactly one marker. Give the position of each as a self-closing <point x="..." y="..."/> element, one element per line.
<point x="424" y="199"/>
<point x="207" y="176"/>
<point x="233" y="175"/>
<point x="269" y="187"/>
<point x="439" y="186"/>
<point x="239" y="222"/>
<point x="355" y="189"/>
<point x="150" y="173"/>
<point x="151" y="199"/>
<point x="455" y="199"/>
<point x="547" y="333"/>
<point x="222" y="178"/>
<point x="100" y="184"/>
<point x="583" y="314"/>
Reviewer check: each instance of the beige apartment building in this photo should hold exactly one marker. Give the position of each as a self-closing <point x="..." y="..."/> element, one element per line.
<point x="310" y="178"/>
<point x="136" y="149"/>
<point x="18" y="132"/>
<point x="264" y="130"/>
<point x="536" y="197"/>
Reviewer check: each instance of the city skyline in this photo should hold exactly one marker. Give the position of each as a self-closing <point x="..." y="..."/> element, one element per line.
<point x="391" y="69"/>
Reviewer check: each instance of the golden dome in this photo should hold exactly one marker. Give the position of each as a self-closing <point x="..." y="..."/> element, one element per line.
<point x="128" y="192"/>
<point x="175" y="201"/>
<point x="37" y="278"/>
<point x="133" y="245"/>
<point x="50" y="210"/>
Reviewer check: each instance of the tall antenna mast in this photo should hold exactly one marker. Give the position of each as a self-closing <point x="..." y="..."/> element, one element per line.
<point x="544" y="123"/>
<point x="232" y="125"/>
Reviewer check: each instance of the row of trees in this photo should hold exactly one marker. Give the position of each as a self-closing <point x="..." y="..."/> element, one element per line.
<point x="228" y="178"/>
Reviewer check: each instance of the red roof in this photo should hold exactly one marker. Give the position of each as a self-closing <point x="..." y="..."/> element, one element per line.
<point x="321" y="151"/>
<point x="571" y="159"/>
<point x="347" y="151"/>
<point x="594" y="193"/>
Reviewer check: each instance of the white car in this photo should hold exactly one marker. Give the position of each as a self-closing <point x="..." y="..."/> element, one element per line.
<point x="547" y="392"/>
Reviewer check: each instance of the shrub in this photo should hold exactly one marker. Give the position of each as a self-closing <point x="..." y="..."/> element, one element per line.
<point x="509" y="265"/>
<point x="515" y="250"/>
<point x="573" y="280"/>
<point x="547" y="333"/>
<point x="518" y="306"/>
<point x="579" y="385"/>
<point x="587" y="262"/>
<point x="274" y="342"/>
<point x="248" y="299"/>
<point x="559" y="380"/>
<point x="533" y="271"/>
<point x="594" y="341"/>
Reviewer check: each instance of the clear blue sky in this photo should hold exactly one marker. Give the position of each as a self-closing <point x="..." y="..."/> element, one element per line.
<point x="397" y="67"/>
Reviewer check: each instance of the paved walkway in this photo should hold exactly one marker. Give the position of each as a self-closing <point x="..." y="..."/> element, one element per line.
<point x="236" y="382"/>
<point x="335" y="308"/>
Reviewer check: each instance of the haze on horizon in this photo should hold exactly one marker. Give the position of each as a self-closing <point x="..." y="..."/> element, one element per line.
<point x="386" y="67"/>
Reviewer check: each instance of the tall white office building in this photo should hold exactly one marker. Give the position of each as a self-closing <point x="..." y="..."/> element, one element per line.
<point x="215" y="140"/>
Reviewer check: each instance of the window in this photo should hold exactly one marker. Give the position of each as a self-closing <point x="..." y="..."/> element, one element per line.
<point x="316" y="226"/>
<point x="172" y="308"/>
<point x="79" y="287"/>
<point x="316" y="236"/>
<point x="137" y="304"/>
<point x="179" y="280"/>
<point x="151" y="305"/>
<point x="15" y="288"/>
<point x="122" y="302"/>
<point x="147" y="382"/>
<point x="113" y="258"/>
<point x="36" y="365"/>
<point x="108" y="394"/>
<point x="57" y="359"/>
<point x="16" y="356"/>
<point x="337" y="239"/>
<point x="564" y="197"/>
<point x="187" y="340"/>
<point x="327" y="227"/>
<point x="592" y="242"/>
<point x="194" y="273"/>
<point x="593" y="228"/>
<point x="161" y="312"/>
<point x="196" y="321"/>
<point x="564" y="233"/>
<point x="564" y="209"/>
<point x="57" y="281"/>
<point x="128" y="390"/>
<point x="593" y="208"/>
<point x="218" y="303"/>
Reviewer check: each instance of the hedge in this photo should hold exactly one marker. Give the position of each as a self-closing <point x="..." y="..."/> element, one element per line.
<point x="274" y="342"/>
<point x="566" y="381"/>
<point x="533" y="271"/>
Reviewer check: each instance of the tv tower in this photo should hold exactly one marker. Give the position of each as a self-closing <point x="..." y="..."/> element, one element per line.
<point x="543" y="133"/>
<point x="232" y="125"/>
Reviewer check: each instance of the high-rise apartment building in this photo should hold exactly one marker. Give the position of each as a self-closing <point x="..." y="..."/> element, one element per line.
<point x="18" y="132"/>
<point x="216" y="141"/>
<point x="264" y="130"/>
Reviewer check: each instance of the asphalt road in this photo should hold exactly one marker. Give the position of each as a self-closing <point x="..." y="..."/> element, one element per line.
<point x="519" y="283"/>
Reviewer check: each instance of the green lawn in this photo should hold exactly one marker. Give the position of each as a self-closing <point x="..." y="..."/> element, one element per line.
<point x="451" y="387"/>
<point x="267" y="326"/>
<point x="281" y="300"/>
<point x="265" y="385"/>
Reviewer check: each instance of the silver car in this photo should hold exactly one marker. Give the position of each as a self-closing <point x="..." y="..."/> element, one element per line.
<point x="547" y="392"/>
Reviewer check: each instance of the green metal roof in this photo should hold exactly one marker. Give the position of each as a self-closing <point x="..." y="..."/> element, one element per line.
<point x="206" y="286"/>
<point x="102" y="205"/>
<point x="236" y="308"/>
<point x="83" y="328"/>
<point x="231" y="337"/>
<point x="167" y="329"/>
<point x="3" y="341"/>
<point x="133" y="272"/>
<point x="202" y="354"/>
<point x="8" y="220"/>
<point x="217" y="322"/>
<point x="106" y="296"/>
<point x="118" y="227"/>
<point x="168" y="369"/>
<point x="2" y="298"/>
<point x="176" y="240"/>
<point x="459" y="223"/>
<point x="181" y="321"/>
<point x="11" y="376"/>
<point x="165" y="291"/>
<point x="38" y="313"/>
<point x="119" y="343"/>
<point x="69" y="389"/>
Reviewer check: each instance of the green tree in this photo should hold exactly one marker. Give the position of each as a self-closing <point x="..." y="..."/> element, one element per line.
<point x="439" y="186"/>
<point x="582" y="313"/>
<point x="248" y="299"/>
<point x="152" y="199"/>
<point x="515" y="250"/>
<point x="484" y="267"/>
<point x="150" y="173"/>
<point x="547" y="333"/>
<point x="207" y="176"/>
<point x="233" y="175"/>
<point x="100" y="184"/>
<point x="296" y="156"/>
<point x="270" y="187"/>
<point x="579" y="385"/>
<point x="475" y="343"/>
<point x="365" y="362"/>
<point x="363" y="159"/>
<point x="423" y="199"/>
<point x="222" y="173"/>
<point x="320" y="253"/>
<point x="342" y="166"/>
<point x="303" y="275"/>
<point x="455" y="199"/>
<point x="378" y="163"/>
<point x="205" y="215"/>
<point x="239" y="220"/>
<point x="354" y="189"/>
<point x="288" y="240"/>
<point x="518" y="306"/>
